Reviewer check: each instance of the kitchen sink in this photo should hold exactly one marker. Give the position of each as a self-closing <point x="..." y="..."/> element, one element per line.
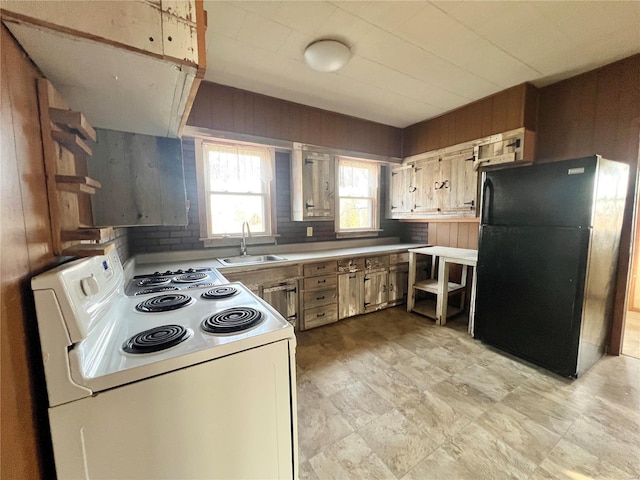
<point x="242" y="259"/>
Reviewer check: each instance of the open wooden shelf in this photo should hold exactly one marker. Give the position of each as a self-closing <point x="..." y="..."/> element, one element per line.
<point x="431" y="285"/>
<point x="71" y="142"/>
<point x="77" y="184"/>
<point x="64" y="133"/>
<point x="427" y="308"/>
<point x="100" y="235"/>
<point x="88" y="249"/>
<point x="73" y="120"/>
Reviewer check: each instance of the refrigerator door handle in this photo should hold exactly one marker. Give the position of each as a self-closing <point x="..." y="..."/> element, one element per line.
<point x="487" y="199"/>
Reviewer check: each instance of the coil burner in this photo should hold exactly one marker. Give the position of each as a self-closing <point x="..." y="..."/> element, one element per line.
<point x="220" y="293"/>
<point x="232" y="320"/>
<point x="157" y="339"/>
<point x="190" y="277"/>
<point x="153" y="281"/>
<point x="164" y="303"/>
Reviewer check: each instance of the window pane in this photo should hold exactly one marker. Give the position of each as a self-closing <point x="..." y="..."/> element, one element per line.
<point x="231" y="170"/>
<point x="356" y="213"/>
<point x="356" y="179"/>
<point x="229" y="211"/>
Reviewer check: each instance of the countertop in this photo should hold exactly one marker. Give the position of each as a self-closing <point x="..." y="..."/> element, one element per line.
<point x="291" y="258"/>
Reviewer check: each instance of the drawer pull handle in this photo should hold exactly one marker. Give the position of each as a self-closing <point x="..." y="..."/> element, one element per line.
<point x="320" y="298"/>
<point x="322" y="281"/>
<point x="322" y="267"/>
<point x="320" y="315"/>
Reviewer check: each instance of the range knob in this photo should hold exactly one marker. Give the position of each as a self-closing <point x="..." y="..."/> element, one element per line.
<point x="190" y="270"/>
<point x="179" y="271"/>
<point x="168" y="272"/>
<point x="89" y="286"/>
<point x="156" y="274"/>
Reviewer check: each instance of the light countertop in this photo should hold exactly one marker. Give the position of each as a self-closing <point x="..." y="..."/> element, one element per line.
<point x="172" y="263"/>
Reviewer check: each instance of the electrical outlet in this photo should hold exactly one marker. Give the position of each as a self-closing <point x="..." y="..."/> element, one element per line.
<point x="309" y="231"/>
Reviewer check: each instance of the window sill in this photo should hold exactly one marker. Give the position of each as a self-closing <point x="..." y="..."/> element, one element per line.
<point x="358" y="234"/>
<point x="212" y="242"/>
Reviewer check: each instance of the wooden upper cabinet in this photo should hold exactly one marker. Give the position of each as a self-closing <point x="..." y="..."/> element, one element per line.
<point x="146" y="58"/>
<point x="440" y="185"/>
<point x="461" y="181"/>
<point x="510" y="109"/>
<point x="401" y="190"/>
<point x="429" y="185"/>
<point x="312" y="189"/>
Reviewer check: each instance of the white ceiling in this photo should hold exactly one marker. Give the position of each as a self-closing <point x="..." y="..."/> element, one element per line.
<point x="412" y="60"/>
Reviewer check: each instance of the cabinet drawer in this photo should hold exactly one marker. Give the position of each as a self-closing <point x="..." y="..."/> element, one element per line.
<point x="320" y="283"/>
<point x="350" y="264"/>
<point x="315" y="317"/>
<point x="320" y="297"/>
<point x="395" y="258"/>
<point x="372" y="263"/>
<point x="320" y="268"/>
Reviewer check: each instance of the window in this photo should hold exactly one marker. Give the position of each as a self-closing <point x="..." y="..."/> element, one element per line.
<point x="234" y="186"/>
<point x="357" y="196"/>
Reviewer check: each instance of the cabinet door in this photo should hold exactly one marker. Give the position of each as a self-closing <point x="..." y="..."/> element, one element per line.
<point x="350" y="292"/>
<point x="428" y="185"/>
<point x="462" y="183"/>
<point x="398" y="282"/>
<point x="284" y="298"/>
<point x="400" y="194"/>
<point x="317" y="185"/>
<point x="375" y="290"/>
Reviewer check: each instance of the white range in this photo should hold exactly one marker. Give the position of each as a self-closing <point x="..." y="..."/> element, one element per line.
<point x="194" y="382"/>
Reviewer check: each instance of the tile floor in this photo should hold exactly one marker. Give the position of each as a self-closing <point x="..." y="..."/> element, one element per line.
<point x="390" y="395"/>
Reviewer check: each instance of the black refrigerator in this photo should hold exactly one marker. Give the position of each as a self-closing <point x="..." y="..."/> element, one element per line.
<point x="547" y="257"/>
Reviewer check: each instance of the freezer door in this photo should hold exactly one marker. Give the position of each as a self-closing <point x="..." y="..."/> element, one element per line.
<point x="550" y="194"/>
<point x="530" y="290"/>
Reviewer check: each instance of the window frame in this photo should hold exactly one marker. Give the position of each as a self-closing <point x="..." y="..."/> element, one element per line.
<point x="203" y="193"/>
<point x="375" y="214"/>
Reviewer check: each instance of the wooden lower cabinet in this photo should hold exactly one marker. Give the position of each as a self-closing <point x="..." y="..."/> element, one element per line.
<point x="283" y="296"/>
<point x="316" y="317"/>
<point x="397" y="283"/>
<point x="350" y="294"/>
<point x="375" y="292"/>
<point x="280" y="290"/>
<point x="319" y="294"/>
<point x="331" y="290"/>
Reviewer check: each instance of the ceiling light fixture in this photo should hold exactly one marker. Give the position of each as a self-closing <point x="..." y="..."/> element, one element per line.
<point x="327" y="55"/>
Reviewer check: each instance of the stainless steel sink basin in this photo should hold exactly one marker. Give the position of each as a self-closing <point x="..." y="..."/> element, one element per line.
<point x="242" y="259"/>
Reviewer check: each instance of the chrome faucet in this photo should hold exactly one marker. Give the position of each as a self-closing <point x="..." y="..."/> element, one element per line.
<point x="243" y="242"/>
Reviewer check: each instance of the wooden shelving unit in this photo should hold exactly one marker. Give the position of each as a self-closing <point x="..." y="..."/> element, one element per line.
<point x="71" y="142"/>
<point x="66" y="138"/>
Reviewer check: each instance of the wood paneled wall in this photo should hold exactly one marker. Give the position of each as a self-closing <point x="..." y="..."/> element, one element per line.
<point x="26" y="249"/>
<point x="597" y="112"/>
<point x="218" y="107"/>
<point x="454" y="234"/>
<point x="507" y="110"/>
